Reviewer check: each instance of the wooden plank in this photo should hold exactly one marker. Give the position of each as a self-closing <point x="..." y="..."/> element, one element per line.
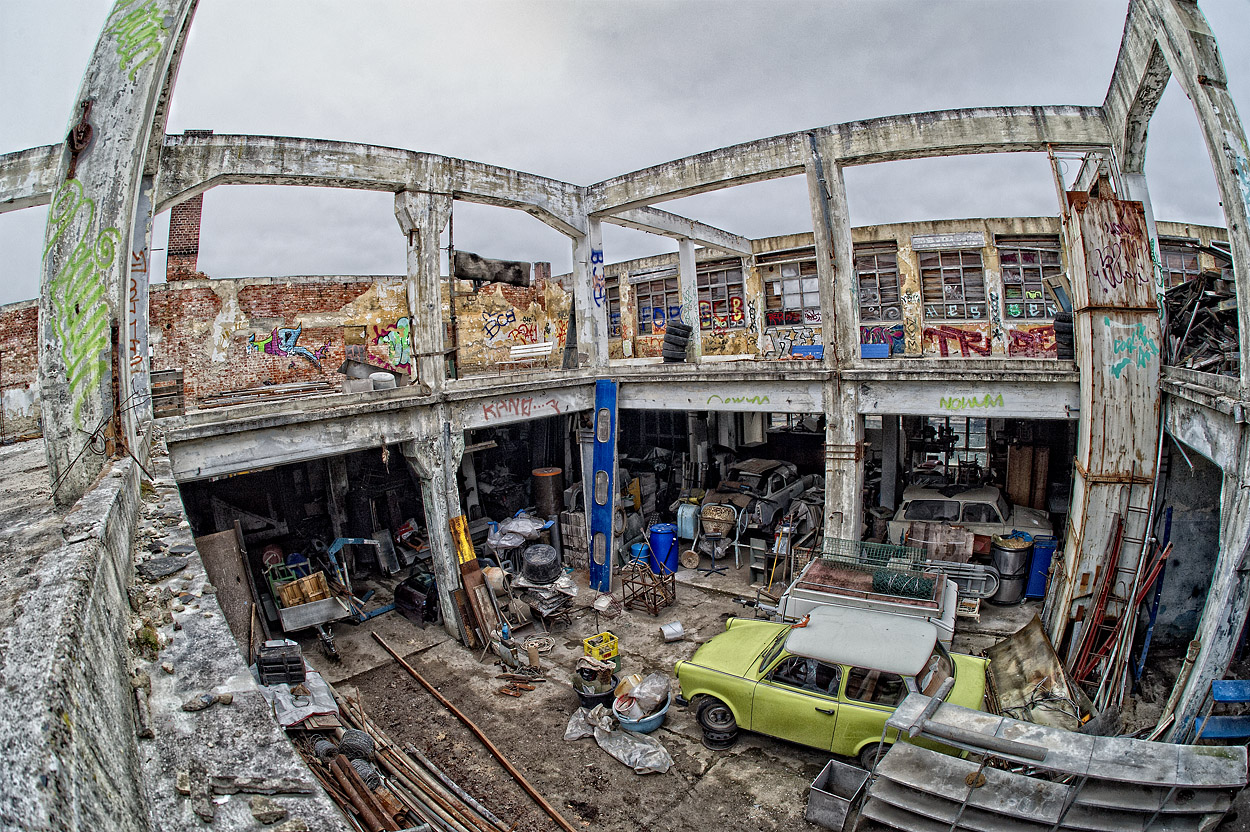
<point x="1020" y="474"/>
<point x="1041" y="476"/>
<point x="223" y="561"/>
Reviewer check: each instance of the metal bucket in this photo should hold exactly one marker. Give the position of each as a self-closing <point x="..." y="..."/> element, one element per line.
<point x="1010" y="556"/>
<point x="833" y="791"/>
<point x="672" y="631"/>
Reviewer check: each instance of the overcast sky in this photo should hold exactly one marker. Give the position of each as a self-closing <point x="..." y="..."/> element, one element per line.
<point x="582" y="91"/>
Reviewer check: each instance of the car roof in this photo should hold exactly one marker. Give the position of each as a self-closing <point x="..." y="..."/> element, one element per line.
<point x="985" y="494"/>
<point x="757" y="466"/>
<point x="865" y="638"/>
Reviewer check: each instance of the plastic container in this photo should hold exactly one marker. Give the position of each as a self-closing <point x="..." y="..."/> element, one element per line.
<point x="687" y="521"/>
<point x="589" y="699"/>
<point x="602" y="646"/>
<point x="637" y="551"/>
<point x="833" y="791"/>
<point x="1039" y="568"/>
<point x="663" y="557"/>
<point x="648" y="723"/>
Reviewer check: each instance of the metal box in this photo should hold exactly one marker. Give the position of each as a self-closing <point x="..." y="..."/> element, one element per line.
<point x="833" y="791"/>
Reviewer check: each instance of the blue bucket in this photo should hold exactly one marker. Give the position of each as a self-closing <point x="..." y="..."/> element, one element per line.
<point x="637" y="551"/>
<point x="663" y="557"/>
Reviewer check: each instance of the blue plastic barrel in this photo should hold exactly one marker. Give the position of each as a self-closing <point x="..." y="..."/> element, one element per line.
<point x="1043" y="551"/>
<point x="663" y="557"/>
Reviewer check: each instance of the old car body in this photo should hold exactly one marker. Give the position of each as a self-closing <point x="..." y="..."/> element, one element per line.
<point x="762" y="488"/>
<point x="982" y="511"/>
<point x="831" y="683"/>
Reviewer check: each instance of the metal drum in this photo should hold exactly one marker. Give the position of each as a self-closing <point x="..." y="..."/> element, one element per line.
<point x="548" y="491"/>
<point x="1010" y="556"/>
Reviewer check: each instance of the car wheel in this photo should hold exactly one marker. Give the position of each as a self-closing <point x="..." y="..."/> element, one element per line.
<point x="719" y="741"/>
<point x="871" y="755"/>
<point x="714" y="716"/>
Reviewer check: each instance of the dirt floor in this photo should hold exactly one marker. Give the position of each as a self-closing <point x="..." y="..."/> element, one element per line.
<point x="759" y="784"/>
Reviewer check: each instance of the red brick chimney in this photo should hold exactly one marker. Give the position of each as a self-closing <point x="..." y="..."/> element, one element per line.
<point x="183" y="249"/>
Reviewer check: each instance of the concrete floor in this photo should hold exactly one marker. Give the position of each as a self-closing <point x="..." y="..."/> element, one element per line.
<point x="759" y="784"/>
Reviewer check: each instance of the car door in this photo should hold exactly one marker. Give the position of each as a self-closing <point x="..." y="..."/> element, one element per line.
<point x="981" y="518"/>
<point x="797" y="700"/>
<point x="868" y="698"/>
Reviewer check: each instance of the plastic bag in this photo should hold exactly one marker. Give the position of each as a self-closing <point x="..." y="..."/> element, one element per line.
<point x="642" y="753"/>
<point x="526" y="526"/>
<point x="651" y="693"/>
<point x="578" y="728"/>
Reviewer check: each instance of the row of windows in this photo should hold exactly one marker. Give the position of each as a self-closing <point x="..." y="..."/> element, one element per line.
<point x="952" y="286"/>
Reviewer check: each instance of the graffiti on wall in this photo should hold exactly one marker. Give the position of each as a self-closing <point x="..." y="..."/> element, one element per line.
<point x="284" y="340"/>
<point x="519" y="407"/>
<point x="973" y="401"/>
<point x="80" y="315"/>
<point x="1035" y="341"/>
<point x="526" y="332"/>
<point x="996" y="317"/>
<point x="397" y="339"/>
<point x="134" y="337"/>
<point x="737" y="399"/>
<point x="785" y="340"/>
<point x="891" y="334"/>
<point x="1136" y="347"/>
<point x="1112" y="264"/>
<point x="598" y="281"/>
<point x="1238" y="153"/>
<point x="494" y="323"/>
<point x="140" y="33"/>
<point x="970" y="340"/>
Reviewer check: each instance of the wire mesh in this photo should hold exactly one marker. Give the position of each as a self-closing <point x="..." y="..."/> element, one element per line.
<point x="862" y="554"/>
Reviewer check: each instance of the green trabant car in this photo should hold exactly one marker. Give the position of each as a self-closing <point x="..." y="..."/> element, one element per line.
<point x="830" y="683"/>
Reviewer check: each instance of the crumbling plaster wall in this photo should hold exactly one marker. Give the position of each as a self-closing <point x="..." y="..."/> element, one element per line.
<point x="19" y="363"/>
<point x="494" y="317"/>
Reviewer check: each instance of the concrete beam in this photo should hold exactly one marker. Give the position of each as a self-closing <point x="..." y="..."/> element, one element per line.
<point x="1209" y="432"/>
<point x="735" y="396"/>
<point x="191" y="165"/>
<point x="27" y="177"/>
<point x="983" y="399"/>
<point x="912" y="136"/>
<point x="1137" y="83"/>
<point x="660" y="222"/>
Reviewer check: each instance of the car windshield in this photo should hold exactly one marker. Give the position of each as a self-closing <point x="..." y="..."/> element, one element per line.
<point x="1004" y="507"/>
<point x="932" y="510"/>
<point x="937" y="669"/>
<point x="750" y="481"/>
<point x="773" y="650"/>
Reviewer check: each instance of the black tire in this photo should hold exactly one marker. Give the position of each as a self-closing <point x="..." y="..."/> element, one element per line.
<point x="715" y="717"/>
<point x="719" y="742"/>
<point x="871" y="755"/>
<point x="678" y="328"/>
<point x="1063" y="318"/>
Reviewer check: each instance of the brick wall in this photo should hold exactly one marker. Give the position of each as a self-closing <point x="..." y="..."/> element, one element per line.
<point x="19" y="365"/>
<point x="183" y="249"/>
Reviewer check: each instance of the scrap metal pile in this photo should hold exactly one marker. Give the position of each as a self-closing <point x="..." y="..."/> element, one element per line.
<point x="1202" y="325"/>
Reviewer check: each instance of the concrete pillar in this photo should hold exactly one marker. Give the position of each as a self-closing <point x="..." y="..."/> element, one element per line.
<point x="1228" y="599"/>
<point x="844" y="433"/>
<point x="336" y="493"/>
<point x="433" y="459"/>
<point x="687" y="278"/>
<point x="84" y="284"/>
<point x="590" y="296"/>
<point x="423" y="216"/>
<point x="891" y="442"/>
<point x="136" y="385"/>
<point x="1135" y="184"/>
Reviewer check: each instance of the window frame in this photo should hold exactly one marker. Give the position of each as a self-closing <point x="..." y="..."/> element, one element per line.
<point x="886" y="297"/>
<point x="778" y="301"/>
<point x="662" y="284"/>
<point x="1172" y="248"/>
<point x="1021" y="278"/>
<point x="721" y="282"/>
<point x="967" y="265"/>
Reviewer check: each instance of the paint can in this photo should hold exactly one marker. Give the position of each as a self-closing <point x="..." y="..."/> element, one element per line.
<point x="663" y="557"/>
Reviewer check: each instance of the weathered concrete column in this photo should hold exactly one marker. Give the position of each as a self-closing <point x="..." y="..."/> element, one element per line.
<point x="844" y="432"/>
<point x="423" y="216"/>
<point x="1228" y="600"/>
<point x="433" y="459"/>
<point x="590" y="296"/>
<point x="84" y="282"/>
<point x="688" y="281"/>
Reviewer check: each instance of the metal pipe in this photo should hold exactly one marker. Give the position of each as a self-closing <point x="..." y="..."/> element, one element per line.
<point x="477" y="732"/>
<point x="412" y="751"/>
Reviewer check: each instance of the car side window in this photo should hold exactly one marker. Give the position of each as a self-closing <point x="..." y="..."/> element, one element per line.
<point x="808" y="674"/>
<point x="932" y="510"/>
<point x="875" y="686"/>
<point x="980" y="513"/>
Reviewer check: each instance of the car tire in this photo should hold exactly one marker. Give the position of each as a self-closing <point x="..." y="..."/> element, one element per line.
<point x="715" y="717"/>
<point x="871" y="755"/>
<point x="719" y="741"/>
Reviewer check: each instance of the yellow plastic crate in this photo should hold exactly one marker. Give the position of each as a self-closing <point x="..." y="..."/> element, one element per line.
<point x="602" y="647"/>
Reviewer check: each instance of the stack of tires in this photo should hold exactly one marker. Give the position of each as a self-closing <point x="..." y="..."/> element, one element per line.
<point x="676" y="339"/>
<point x="720" y="729"/>
<point x="1065" y="341"/>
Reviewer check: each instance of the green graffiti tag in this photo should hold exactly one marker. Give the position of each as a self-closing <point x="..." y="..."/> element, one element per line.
<point x="80" y="317"/>
<point x="738" y="399"/>
<point x="1138" y="347"/>
<point x="965" y="402"/>
<point x="140" y="34"/>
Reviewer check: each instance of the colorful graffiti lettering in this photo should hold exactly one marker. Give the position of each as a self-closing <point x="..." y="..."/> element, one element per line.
<point x="774" y="317"/>
<point x="736" y="315"/>
<point x="878" y="334"/>
<point x="996" y="317"/>
<point x="738" y="399"/>
<point x="971" y="341"/>
<point x="283" y="340"/>
<point x="140" y="34"/>
<point x="522" y="406"/>
<point x="598" y="282"/>
<point x="1138" y="347"/>
<point x="811" y="316"/>
<point x="524" y="333"/>
<point x="398" y="343"/>
<point x="562" y="332"/>
<point x="495" y="322"/>
<point x="973" y="401"/>
<point x="1110" y="268"/>
<point x="1032" y="342"/>
<point x="705" y="314"/>
<point x="80" y="313"/>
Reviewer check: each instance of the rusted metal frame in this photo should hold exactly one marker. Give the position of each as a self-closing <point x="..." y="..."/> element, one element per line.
<point x="1082" y="664"/>
<point x="477" y="732"/>
<point x="1105" y="478"/>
